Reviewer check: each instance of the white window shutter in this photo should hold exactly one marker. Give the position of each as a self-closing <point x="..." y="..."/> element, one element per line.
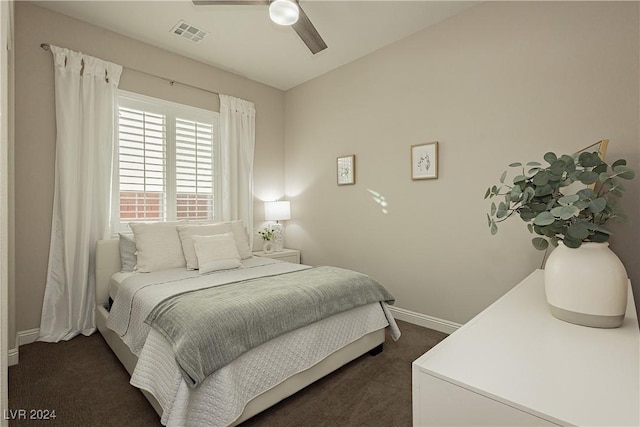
<point x="142" y="163"/>
<point x="194" y="169"/>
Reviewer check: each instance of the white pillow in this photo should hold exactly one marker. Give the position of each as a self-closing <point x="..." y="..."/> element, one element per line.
<point x="216" y="252"/>
<point x="242" y="241"/>
<point x="158" y="245"/>
<point x="127" y="253"/>
<point x="187" y="231"/>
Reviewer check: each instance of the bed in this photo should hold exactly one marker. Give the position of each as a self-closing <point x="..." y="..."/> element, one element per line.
<point x="249" y="384"/>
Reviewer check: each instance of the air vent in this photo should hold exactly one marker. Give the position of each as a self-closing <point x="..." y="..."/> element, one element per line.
<point x="189" y="32"/>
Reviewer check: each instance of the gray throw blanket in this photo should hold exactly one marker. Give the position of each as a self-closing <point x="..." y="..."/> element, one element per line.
<point x="209" y="328"/>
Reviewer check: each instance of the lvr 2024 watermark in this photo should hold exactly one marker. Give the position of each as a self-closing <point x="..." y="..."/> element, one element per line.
<point x="29" y="414"/>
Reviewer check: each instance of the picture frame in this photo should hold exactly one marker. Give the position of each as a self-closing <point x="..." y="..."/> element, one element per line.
<point x="424" y="161"/>
<point x="346" y="170"/>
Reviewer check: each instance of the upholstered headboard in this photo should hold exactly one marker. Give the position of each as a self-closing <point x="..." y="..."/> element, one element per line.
<point x="107" y="264"/>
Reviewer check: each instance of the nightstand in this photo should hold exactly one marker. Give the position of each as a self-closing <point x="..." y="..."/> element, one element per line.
<point x="288" y="255"/>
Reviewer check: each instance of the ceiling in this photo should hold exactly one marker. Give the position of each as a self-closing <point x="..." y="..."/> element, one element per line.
<point x="242" y="39"/>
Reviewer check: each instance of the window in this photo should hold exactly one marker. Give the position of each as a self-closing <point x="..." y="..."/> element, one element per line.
<point x="166" y="162"/>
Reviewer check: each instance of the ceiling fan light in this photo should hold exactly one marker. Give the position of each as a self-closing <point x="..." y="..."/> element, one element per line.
<point x="284" y="12"/>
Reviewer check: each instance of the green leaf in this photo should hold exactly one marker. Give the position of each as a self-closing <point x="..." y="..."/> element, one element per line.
<point x="543" y="191"/>
<point x="571" y="243"/>
<point x="528" y="194"/>
<point x="544" y="218"/>
<point x="624" y="172"/>
<point x="597" y="205"/>
<point x="488" y="193"/>
<point x="527" y="214"/>
<point x="565" y="212"/>
<point x="602" y="167"/>
<point x="493" y="208"/>
<point x="541" y="178"/>
<point x="502" y="210"/>
<point x="488" y="220"/>
<point x="540" y="243"/>
<point x="621" y="162"/>
<point x="515" y="165"/>
<point x="530" y="228"/>
<point x="578" y="231"/>
<point x="603" y="177"/>
<point x="502" y="177"/>
<point x="550" y="157"/>
<point x="568" y="200"/>
<point x="515" y="194"/>
<point x="519" y="178"/>
<point x="494" y="228"/>
<point x="538" y="207"/>
<point x="599" y="237"/>
<point x="588" y="177"/>
<point x="548" y="231"/>
<point x="555" y="183"/>
<point x="589" y="160"/>
<point x="594" y="227"/>
<point x="581" y="204"/>
<point x="534" y="164"/>
<point x="533" y="171"/>
<point x="567" y="159"/>
<point x="587" y="193"/>
<point x="558" y="167"/>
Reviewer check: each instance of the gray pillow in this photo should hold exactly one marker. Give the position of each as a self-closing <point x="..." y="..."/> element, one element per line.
<point x="128" y="257"/>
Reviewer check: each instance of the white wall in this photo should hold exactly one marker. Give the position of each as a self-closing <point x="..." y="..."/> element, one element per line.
<point x="502" y="82"/>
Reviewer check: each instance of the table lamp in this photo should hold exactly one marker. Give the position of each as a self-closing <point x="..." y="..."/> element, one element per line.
<point x="277" y="211"/>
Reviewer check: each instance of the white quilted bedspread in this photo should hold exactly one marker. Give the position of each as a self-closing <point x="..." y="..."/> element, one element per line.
<point x="221" y="398"/>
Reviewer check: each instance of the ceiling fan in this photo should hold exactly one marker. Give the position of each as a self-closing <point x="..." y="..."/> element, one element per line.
<point x="283" y="12"/>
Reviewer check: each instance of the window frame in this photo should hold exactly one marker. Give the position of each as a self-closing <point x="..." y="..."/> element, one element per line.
<point x="171" y="111"/>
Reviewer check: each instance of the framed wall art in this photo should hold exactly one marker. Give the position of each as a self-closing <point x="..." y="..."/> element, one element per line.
<point x="347" y="170"/>
<point x="424" y="161"/>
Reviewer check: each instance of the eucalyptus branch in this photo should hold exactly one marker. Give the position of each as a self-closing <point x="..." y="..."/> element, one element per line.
<point x="540" y="202"/>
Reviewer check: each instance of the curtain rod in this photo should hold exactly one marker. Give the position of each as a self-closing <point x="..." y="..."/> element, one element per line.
<point x="47" y="47"/>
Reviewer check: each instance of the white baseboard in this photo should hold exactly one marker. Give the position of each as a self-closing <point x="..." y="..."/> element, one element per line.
<point x="423" y="320"/>
<point x="12" y="356"/>
<point x="27" y="337"/>
<point x="22" y="338"/>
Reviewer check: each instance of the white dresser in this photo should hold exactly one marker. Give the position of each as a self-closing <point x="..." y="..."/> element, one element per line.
<point x="515" y="364"/>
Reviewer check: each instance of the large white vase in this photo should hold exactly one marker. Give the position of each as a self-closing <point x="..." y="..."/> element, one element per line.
<point x="586" y="285"/>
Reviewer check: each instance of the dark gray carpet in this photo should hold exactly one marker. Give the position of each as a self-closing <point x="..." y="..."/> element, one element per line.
<point x="86" y="386"/>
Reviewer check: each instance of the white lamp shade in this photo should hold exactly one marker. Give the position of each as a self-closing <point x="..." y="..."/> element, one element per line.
<point x="284" y="12"/>
<point x="277" y="211"/>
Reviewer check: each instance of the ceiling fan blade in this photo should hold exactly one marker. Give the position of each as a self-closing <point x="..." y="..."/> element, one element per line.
<point x="308" y="33"/>
<point x="230" y="2"/>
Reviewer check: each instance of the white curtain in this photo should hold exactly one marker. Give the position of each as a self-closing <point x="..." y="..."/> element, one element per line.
<point x="85" y="92"/>
<point x="238" y="140"/>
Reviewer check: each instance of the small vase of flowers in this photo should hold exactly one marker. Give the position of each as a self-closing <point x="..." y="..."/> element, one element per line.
<point x="268" y="235"/>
